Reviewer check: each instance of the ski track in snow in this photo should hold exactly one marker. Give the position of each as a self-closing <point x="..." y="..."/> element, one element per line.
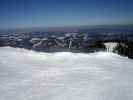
<point x="29" y="75"/>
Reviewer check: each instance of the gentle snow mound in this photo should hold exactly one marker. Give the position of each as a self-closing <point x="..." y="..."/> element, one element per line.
<point x="29" y="75"/>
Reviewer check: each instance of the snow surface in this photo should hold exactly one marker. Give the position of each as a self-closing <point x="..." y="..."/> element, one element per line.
<point x="29" y="75"/>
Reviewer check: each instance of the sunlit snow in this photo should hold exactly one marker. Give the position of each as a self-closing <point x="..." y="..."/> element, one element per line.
<point x="29" y="75"/>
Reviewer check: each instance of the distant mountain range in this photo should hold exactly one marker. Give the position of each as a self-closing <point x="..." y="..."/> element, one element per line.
<point x="83" y="28"/>
<point x="73" y="39"/>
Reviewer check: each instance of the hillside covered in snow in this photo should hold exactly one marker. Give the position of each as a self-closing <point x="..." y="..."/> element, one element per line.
<point x="29" y="75"/>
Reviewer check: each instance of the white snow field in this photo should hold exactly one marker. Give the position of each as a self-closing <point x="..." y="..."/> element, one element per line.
<point x="29" y="75"/>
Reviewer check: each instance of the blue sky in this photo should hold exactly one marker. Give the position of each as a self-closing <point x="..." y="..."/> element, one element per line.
<point x="46" y="13"/>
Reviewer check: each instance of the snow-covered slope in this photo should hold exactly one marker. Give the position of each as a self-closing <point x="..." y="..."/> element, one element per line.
<point x="28" y="75"/>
